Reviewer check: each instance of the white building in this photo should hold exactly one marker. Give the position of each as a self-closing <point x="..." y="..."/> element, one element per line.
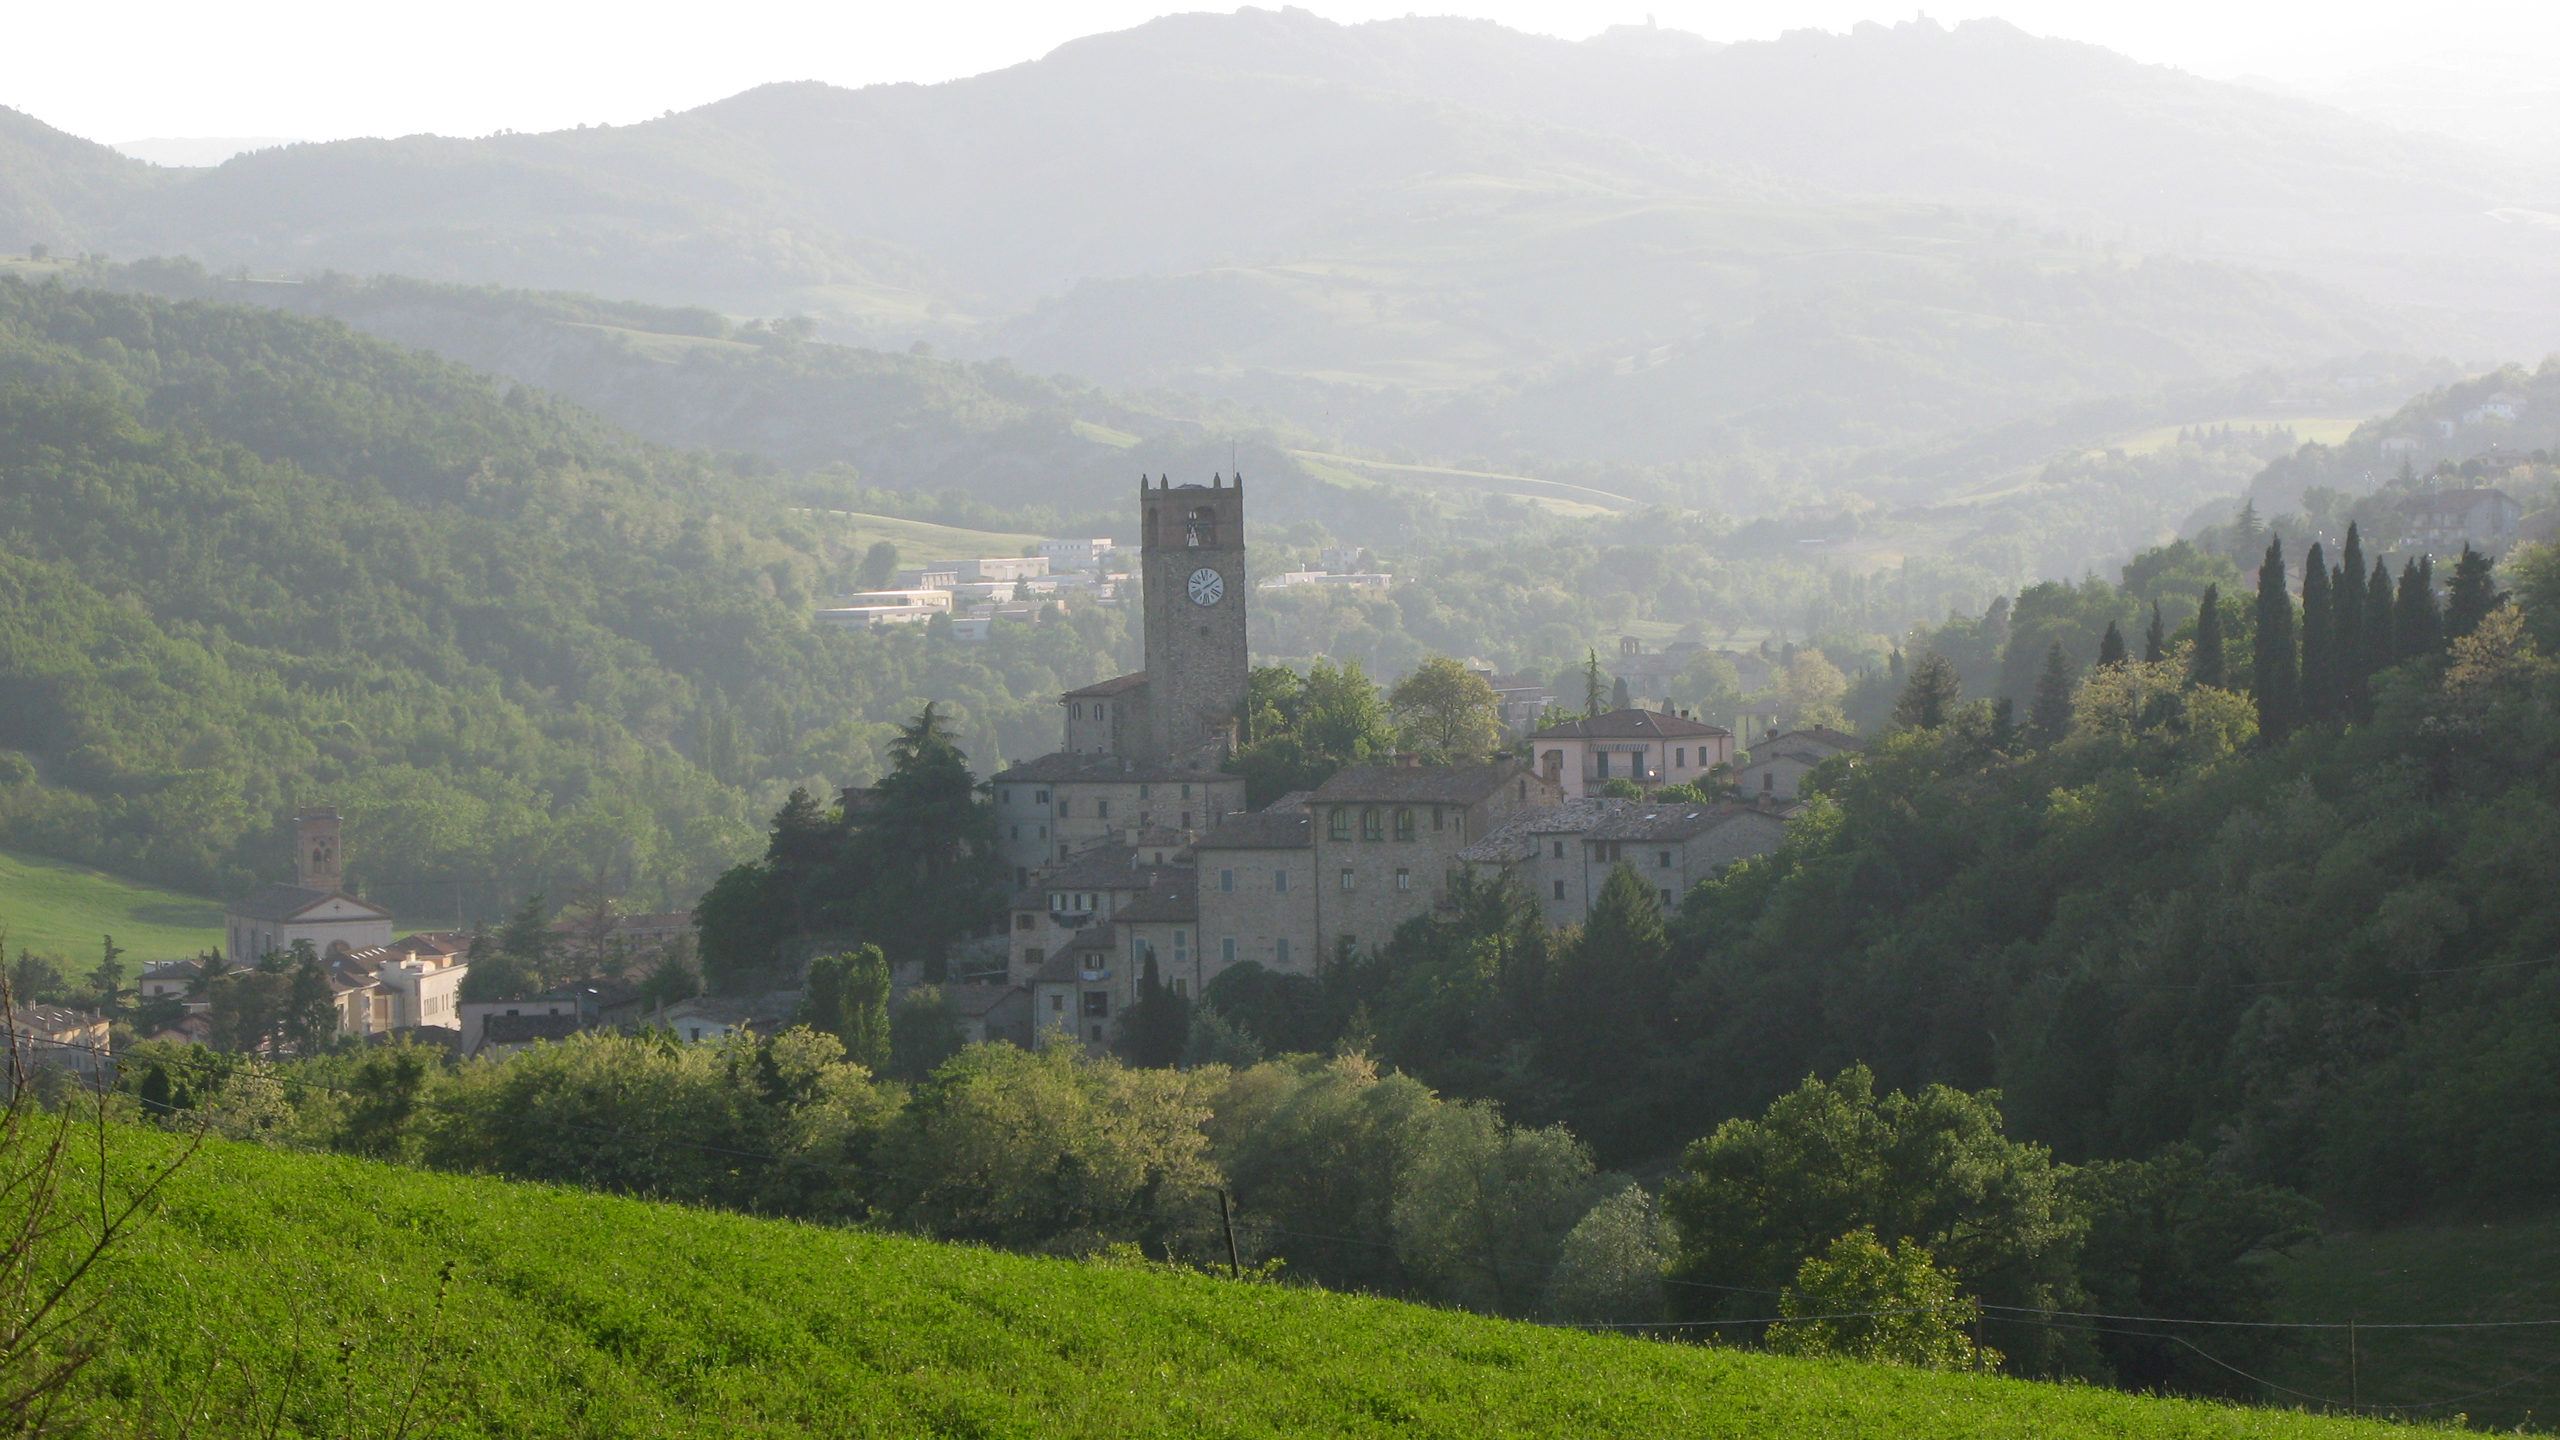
<point x="1645" y="746"/>
<point x="1564" y="854"/>
<point x="313" y="908"/>
<point x="1780" y="762"/>
<point x="1077" y="554"/>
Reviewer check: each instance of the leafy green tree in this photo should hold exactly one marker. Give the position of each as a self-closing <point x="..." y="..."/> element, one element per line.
<point x="386" y="1092"/>
<point x="1608" y="1271"/>
<point x="2172" y="1237"/>
<point x="1484" y="1206"/>
<point x="1863" y="1300"/>
<point x="249" y="1009"/>
<point x="743" y="926"/>
<point x="924" y="1031"/>
<point x="1758" y="1198"/>
<point x="1318" y="1144"/>
<point x="2470" y="596"/>
<point x="1307" y="729"/>
<point x="1601" y="1037"/>
<point x="2205" y="664"/>
<point x="1449" y="710"/>
<point x="1619" y="699"/>
<point x="879" y="566"/>
<point x="527" y="938"/>
<point x="2111" y="646"/>
<point x="154" y="1092"/>
<point x="848" y="998"/>
<point x="1285" y="1014"/>
<point x="2320" y="684"/>
<point x="922" y="866"/>
<point x="1929" y="698"/>
<point x="2278" y="683"/>
<point x="2049" y="721"/>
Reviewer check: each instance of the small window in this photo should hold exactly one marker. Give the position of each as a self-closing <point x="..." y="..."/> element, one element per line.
<point x="1186" y="792"/>
<point x="1559" y="849"/>
<point x="1662" y="859"/>
<point x="1097" y="1004"/>
<point x="1181" y="986"/>
<point x="1439" y="818"/>
<point x="1075" y="712"/>
<point x="1063" y="808"/>
<point x="1186" y="819"/>
<point x="1044" y="832"/>
<point x="1680" y="758"/>
<point x="1097" y="1034"/>
<point x="1280" y="950"/>
<point x="1226" y="882"/>
<point x="1404" y="878"/>
<point x="1666" y="897"/>
<point x="1031" y="955"/>
<point x="1022" y="921"/>
<point x="1524" y="789"/>
<point x="1372" y="825"/>
<point x="697" y="1032"/>
<point x="1279" y="882"/>
<point x="1600" y="758"/>
<point x="1039" y="797"/>
<point x="1101" y="809"/>
<point x="1348" y="883"/>
<point x="1404" y="824"/>
<point x="1559" y="889"/>
<point x="1341" y="822"/>
<point x="1016" y="833"/>
<point x="1768" y="780"/>
<point x="1004" y="797"/>
<point x="1057" y="1004"/>
<point x="1226" y="951"/>
<point x="1142" y="792"/>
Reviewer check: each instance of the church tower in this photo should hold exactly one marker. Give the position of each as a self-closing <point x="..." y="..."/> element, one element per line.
<point x="315" y="857"/>
<point x="1191" y="564"/>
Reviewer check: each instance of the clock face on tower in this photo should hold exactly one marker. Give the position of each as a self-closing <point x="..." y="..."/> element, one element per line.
<point x="1208" y="587"/>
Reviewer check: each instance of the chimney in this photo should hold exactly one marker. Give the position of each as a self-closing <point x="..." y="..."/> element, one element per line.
<point x="315" y="849"/>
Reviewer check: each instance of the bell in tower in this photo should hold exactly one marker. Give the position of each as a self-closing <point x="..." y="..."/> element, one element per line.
<point x="315" y="860"/>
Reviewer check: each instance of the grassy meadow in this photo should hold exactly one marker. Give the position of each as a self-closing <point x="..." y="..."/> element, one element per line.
<point x="56" y="908"/>
<point x="308" y="1287"/>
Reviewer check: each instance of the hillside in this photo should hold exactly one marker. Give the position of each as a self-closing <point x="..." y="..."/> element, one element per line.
<point x="250" y="561"/>
<point x="61" y="910"/>
<point x="569" y="1312"/>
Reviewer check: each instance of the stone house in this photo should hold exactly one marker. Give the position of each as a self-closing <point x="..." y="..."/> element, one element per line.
<point x="1163" y="922"/>
<point x="1564" y="854"/>
<point x="2442" y="523"/>
<point x="1073" y="995"/>
<point x="55" y="1035"/>
<point x="1071" y="897"/>
<point x="1780" y="762"/>
<point x="1646" y="746"/>
<point x="1050" y="808"/>
<point x="989" y="1013"/>
<point x="1258" y="892"/>
<point x="1387" y="836"/>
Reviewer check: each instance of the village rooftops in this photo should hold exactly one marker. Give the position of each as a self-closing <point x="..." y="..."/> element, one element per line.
<point x="1068" y="768"/>
<point x="1105" y="689"/>
<point x="1417" y="784"/>
<point x="1271" y="829"/>
<point x="1809" y="736"/>
<point x="286" y="902"/>
<point x="1175" y="902"/>
<point x="1633" y="725"/>
<point x="971" y="1002"/>
<point x="1102" y="867"/>
<point x="55" y="1022"/>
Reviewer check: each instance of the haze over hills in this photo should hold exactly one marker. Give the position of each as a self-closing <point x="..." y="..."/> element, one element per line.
<point x="1799" y="261"/>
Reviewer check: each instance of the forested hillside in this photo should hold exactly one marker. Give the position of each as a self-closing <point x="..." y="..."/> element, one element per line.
<point x="250" y="561"/>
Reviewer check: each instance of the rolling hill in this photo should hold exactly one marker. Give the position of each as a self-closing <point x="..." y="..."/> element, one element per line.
<point x="566" y="1312"/>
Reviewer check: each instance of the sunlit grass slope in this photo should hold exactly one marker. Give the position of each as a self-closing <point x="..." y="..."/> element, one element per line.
<point x="587" y="1315"/>
<point x="53" y="907"/>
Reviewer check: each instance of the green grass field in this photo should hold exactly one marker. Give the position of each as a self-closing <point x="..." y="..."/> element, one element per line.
<point x="56" y="908"/>
<point x="578" y="1314"/>
<point x="2470" y="1272"/>
<point x="921" y="541"/>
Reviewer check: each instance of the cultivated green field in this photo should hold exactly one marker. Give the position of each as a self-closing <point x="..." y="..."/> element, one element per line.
<point x="577" y="1314"/>
<point x="2507" y="1272"/>
<point x="922" y="541"/>
<point x="56" y="908"/>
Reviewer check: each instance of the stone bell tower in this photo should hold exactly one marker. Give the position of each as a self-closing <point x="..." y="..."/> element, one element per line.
<point x="315" y="851"/>
<point x="1191" y="551"/>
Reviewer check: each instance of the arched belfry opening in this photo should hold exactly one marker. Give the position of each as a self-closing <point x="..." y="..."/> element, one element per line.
<point x="1200" y="527"/>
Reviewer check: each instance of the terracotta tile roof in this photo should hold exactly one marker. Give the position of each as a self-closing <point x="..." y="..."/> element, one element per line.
<point x="1633" y="725"/>
<point x="1261" y="830"/>
<point x="1064" y="768"/>
<point x="1417" y="784"/>
<point x="1117" y="685"/>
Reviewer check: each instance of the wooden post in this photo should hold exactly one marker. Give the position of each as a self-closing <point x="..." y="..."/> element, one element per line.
<point x="1226" y="1222"/>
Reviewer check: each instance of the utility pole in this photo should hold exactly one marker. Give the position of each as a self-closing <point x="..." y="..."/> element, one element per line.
<point x="1226" y="1222"/>
<point x="2354" y="1400"/>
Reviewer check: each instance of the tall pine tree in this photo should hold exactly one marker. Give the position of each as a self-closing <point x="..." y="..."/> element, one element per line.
<point x="2471" y="596"/>
<point x="2111" y="646"/>
<point x="2205" y="665"/>
<point x="923" y="853"/>
<point x="2049" y="720"/>
<point x="2320" y="687"/>
<point x="1930" y="696"/>
<point x="2155" y="641"/>
<point x="2277" y="686"/>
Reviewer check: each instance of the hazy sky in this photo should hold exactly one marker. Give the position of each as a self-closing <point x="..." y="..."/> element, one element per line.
<point x="466" y="67"/>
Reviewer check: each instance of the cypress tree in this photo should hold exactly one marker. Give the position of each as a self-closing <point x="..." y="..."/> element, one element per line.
<point x="2346" y="594"/>
<point x="2471" y="596"/>
<point x="2111" y="646"/>
<point x="2050" y="718"/>
<point x="2378" y="626"/>
<point x="2155" y="641"/>
<point x="1593" y="695"/>
<point x="2205" y="665"/>
<point x="2277" y="684"/>
<point x="2413" y="616"/>
<point x="2320" y="689"/>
